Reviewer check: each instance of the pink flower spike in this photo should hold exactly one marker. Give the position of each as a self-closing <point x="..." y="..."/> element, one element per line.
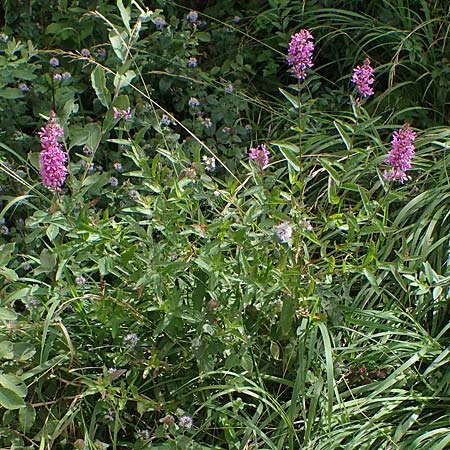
<point x="362" y="77"/>
<point x="401" y="154"/>
<point x="260" y="155"/>
<point x="300" y="53"/>
<point x="52" y="157"/>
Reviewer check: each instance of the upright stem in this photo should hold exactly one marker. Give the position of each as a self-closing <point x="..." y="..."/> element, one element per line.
<point x="300" y="123"/>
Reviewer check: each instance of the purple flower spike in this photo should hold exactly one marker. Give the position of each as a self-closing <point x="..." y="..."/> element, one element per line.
<point x="300" y="53"/>
<point x="260" y="155"/>
<point x="52" y="157"/>
<point x="401" y="154"/>
<point x="362" y="77"/>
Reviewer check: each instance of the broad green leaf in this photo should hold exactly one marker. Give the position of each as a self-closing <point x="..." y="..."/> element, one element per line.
<point x="124" y="80"/>
<point x="7" y="314"/>
<point x="125" y="14"/>
<point x="9" y="274"/>
<point x="119" y="45"/>
<point x="27" y="416"/>
<point x="11" y="93"/>
<point x="10" y="400"/>
<point x="52" y="231"/>
<point x="13" y="383"/>
<point x="98" y="80"/>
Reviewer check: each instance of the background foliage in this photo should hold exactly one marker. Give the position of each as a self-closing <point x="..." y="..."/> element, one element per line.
<point x="152" y="291"/>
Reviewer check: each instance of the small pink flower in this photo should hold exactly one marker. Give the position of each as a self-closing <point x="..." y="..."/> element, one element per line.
<point x="259" y="155"/>
<point x="401" y="154"/>
<point x="122" y="113"/>
<point x="300" y="53"/>
<point x="52" y="157"/>
<point x="362" y="77"/>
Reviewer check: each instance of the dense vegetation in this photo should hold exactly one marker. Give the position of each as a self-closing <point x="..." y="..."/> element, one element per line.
<point x="224" y="224"/>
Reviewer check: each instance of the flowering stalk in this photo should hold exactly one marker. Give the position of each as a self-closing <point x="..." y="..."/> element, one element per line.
<point x="301" y="48"/>
<point x="401" y="154"/>
<point x="52" y="158"/>
<point x="363" y="78"/>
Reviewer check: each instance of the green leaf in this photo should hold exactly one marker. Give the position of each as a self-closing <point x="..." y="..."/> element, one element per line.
<point x="48" y="260"/>
<point x="344" y="136"/>
<point x="125" y="14"/>
<point x="293" y="100"/>
<point x="27" y="416"/>
<point x="11" y="93"/>
<point x="121" y="81"/>
<point x="7" y="314"/>
<point x="118" y="44"/>
<point x="98" y="80"/>
<point x="10" y="400"/>
<point x="203" y="36"/>
<point x="52" y="231"/>
<point x="13" y="383"/>
<point x="9" y="274"/>
<point x="289" y="152"/>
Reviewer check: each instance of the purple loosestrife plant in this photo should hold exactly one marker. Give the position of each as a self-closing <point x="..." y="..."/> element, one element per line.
<point x="300" y="53"/>
<point x="259" y="155"/>
<point x="401" y="154"/>
<point x="363" y="78"/>
<point x="52" y="157"/>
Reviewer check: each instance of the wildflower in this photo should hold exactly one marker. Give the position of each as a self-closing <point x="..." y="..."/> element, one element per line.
<point x="192" y="62"/>
<point x="57" y="77"/>
<point x="284" y="232"/>
<point x="210" y="163"/>
<point x="193" y="102"/>
<point x="159" y="22"/>
<point x="34" y="303"/>
<point x="23" y="87"/>
<point x="362" y="77"/>
<point x="134" y="195"/>
<point x="122" y="113"/>
<point x="26" y="267"/>
<point x="117" y="166"/>
<point x="260" y="155"/>
<point x="185" y="421"/>
<point x="87" y="150"/>
<point x="165" y="120"/>
<point x="109" y="415"/>
<point x="226" y="130"/>
<point x="130" y="340"/>
<point x="114" y="182"/>
<point x="229" y="89"/>
<point x="401" y="154"/>
<point x="85" y="52"/>
<point x="192" y="16"/>
<point x="80" y="280"/>
<point x="305" y="225"/>
<point x="248" y="128"/>
<point x="300" y="53"/>
<point x="236" y="20"/>
<point x="4" y="230"/>
<point x="101" y="53"/>
<point x="52" y="157"/>
<point x="144" y="435"/>
<point x="66" y="75"/>
<point x="54" y="62"/>
<point x="4" y="37"/>
<point x="206" y="122"/>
